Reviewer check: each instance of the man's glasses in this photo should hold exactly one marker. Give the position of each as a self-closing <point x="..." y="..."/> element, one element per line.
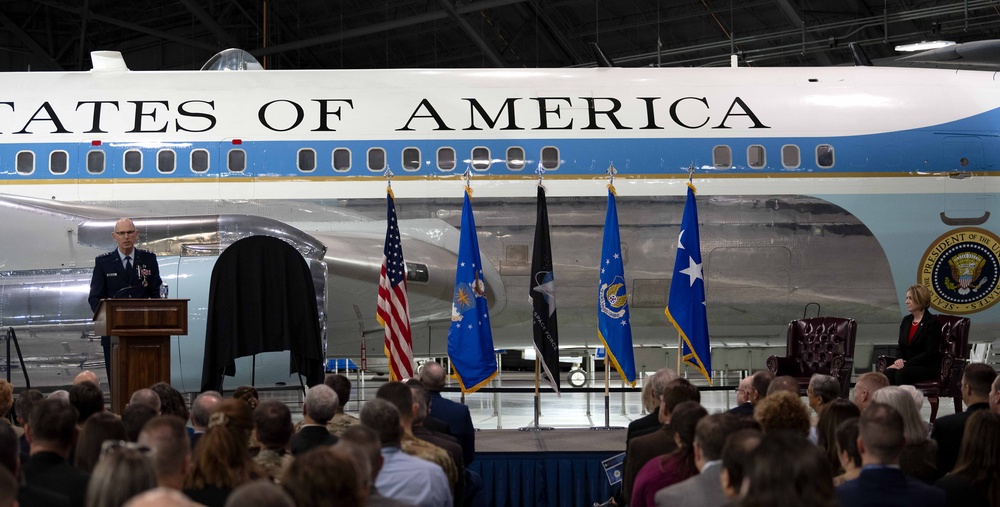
<point x="126" y="233"/>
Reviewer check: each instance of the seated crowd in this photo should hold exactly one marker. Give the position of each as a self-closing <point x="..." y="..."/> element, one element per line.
<point x="411" y="447"/>
<point x="67" y="450"/>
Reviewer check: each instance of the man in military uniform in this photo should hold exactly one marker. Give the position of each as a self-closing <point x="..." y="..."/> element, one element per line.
<point x="341" y="420"/>
<point x="272" y="422"/>
<point x="125" y="272"/>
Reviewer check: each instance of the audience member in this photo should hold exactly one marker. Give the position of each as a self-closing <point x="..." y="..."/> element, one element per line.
<point x="642" y="450"/>
<point x="652" y="389"/>
<point x="201" y="411"/>
<point x="455" y="414"/>
<point x="260" y="493"/>
<point x="977" y="379"/>
<point x="705" y="488"/>
<point x="362" y="440"/>
<point x="60" y="394"/>
<point x="86" y="376"/>
<point x="782" y="411"/>
<point x="675" y="467"/>
<point x="8" y="489"/>
<point x="994" y="396"/>
<point x="222" y="460"/>
<point x="121" y="473"/>
<point x="87" y="398"/>
<point x="785" y="383"/>
<point x="341" y="420"/>
<point x="881" y="439"/>
<point x="22" y="407"/>
<point x="324" y="477"/>
<point x="836" y="412"/>
<point x="146" y="396"/>
<point x="736" y="457"/>
<point x="28" y="495"/>
<point x="160" y="497"/>
<point x="171" y="400"/>
<point x="919" y="456"/>
<point x="866" y="386"/>
<point x="975" y="481"/>
<point x="249" y="396"/>
<point x="469" y="483"/>
<point x="6" y="403"/>
<point x="401" y="397"/>
<point x="272" y="423"/>
<point x="743" y="391"/>
<point x="167" y="436"/>
<point x="403" y="477"/>
<point x="759" y="382"/>
<point x="52" y="432"/>
<point x="320" y="406"/>
<point x="134" y="417"/>
<point x="847" y="451"/>
<point x="98" y="428"/>
<point x="821" y="391"/>
<point x="788" y="471"/>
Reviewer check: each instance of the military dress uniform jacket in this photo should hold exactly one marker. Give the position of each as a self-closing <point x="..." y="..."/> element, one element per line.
<point x="111" y="281"/>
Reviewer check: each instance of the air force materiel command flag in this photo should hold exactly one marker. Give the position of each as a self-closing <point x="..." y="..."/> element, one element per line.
<point x="542" y="292"/>
<point x="392" y="313"/>
<point x="613" y="326"/>
<point x="470" y="340"/>
<point x="686" y="307"/>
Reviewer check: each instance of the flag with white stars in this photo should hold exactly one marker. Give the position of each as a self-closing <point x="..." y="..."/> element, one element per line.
<point x="393" y="313"/>
<point x="686" y="307"/>
<point x="470" y="339"/>
<point x="542" y="292"/>
<point x="613" y="325"/>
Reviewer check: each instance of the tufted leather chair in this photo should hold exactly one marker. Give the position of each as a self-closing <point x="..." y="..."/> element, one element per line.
<point x="954" y="357"/>
<point x="818" y="345"/>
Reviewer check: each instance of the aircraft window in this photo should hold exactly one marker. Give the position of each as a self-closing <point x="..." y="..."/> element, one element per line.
<point x="25" y="162"/>
<point x="550" y="158"/>
<point x="133" y="161"/>
<point x="722" y="157"/>
<point x="756" y="156"/>
<point x="481" y="158"/>
<point x="199" y="161"/>
<point x="446" y="159"/>
<point x="515" y="158"/>
<point x="307" y="160"/>
<point x="166" y="161"/>
<point x="341" y="160"/>
<point x="95" y="161"/>
<point x="824" y="155"/>
<point x="790" y="157"/>
<point x="58" y="162"/>
<point x="411" y="159"/>
<point x="237" y="161"/>
<point x="376" y="159"/>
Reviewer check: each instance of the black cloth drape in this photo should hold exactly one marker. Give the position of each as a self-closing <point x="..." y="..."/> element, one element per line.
<point x="261" y="299"/>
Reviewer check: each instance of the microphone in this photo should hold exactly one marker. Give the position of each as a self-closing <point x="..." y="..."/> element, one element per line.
<point x="130" y="287"/>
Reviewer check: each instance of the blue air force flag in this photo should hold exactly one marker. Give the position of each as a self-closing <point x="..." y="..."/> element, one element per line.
<point x="686" y="307"/>
<point x="613" y="326"/>
<point x="470" y="340"/>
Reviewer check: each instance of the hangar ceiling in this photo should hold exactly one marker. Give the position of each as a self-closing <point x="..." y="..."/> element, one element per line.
<point x="331" y="34"/>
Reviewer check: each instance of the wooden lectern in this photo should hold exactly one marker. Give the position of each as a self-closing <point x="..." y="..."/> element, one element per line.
<point x="140" y="331"/>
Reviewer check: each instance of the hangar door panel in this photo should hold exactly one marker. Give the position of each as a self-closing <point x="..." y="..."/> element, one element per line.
<point x="747" y="285"/>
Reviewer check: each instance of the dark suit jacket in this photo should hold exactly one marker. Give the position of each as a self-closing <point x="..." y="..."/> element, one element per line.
<point x="888" y="487"/>
<point x="920" y="461"/>
<point x="948" y="432"/>
<point x="110" y="279"/>
<point x="437" y="425"/>
<point x="744" y="410"/>
<point x="309" y="437"/>
<point x="29" y="495"/>
<point x="960" y="491"/>
<point x="642" y="449"/>
<point x="926" y="347"/>
<point x="49" y="471"/>
<point x="459" y="423"/>
<point x="643" y="425"/>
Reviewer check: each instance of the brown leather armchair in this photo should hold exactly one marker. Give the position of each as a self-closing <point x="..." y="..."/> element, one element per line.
<point x="954" y="357"/>
<point x="818" y="345"/>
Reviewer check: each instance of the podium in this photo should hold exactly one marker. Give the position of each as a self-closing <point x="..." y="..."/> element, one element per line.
<point x="140" y="331"/>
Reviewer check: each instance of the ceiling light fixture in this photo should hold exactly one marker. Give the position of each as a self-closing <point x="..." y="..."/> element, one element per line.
<point x="924" y="45"/>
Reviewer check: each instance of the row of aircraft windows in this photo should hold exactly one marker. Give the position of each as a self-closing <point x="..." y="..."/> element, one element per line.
<point x="722" y="156"/>
<point x="341" y="159"/>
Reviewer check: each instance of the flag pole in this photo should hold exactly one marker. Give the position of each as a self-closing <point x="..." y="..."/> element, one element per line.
<point x="607" y="359"/>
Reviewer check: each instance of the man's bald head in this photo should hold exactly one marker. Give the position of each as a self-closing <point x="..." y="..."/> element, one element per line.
<point x="433" y="376"/>
<point x="86" y="376"/>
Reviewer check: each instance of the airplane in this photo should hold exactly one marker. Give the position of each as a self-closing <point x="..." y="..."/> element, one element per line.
<point x="820" y="190"/>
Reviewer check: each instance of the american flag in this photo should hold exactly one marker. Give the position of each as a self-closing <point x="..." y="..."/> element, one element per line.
<point x="393" y="314"/>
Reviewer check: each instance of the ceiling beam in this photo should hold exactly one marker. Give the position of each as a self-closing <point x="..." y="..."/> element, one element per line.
<point x="471" y="33"/>
<point x="44" y="58"/>
<point x="221" y="34"/>
<point x="796" y="20"/>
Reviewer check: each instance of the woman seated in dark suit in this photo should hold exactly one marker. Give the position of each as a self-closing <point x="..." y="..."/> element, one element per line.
<point x="919" y="354"/>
